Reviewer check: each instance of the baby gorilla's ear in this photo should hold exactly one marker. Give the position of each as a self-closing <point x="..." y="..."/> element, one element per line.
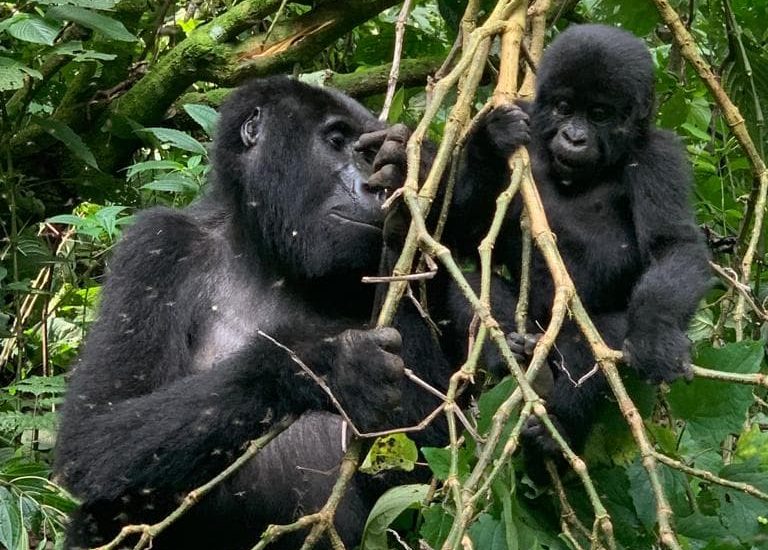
<point x="250" y="129"/>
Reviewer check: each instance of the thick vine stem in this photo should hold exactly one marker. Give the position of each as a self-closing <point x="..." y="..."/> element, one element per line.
<point x="738" y="126"/>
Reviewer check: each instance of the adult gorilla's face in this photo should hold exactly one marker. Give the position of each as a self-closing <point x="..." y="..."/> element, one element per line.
<point x="303" y="188"/>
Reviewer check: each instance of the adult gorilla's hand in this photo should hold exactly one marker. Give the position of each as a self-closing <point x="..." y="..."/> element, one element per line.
<point x="390" y="163"/>
<point x="366" y="375"/>
<point x="390" y="166"/>
<point x="659" y="355"/>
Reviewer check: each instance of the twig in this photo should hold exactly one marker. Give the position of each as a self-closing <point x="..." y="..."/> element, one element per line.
<point x="755" y="379"/>
<point x="275" y="19"/>
<point x="745" y="290"/>
<point x="395" y="71"/>
<point x="712" y="478"/>
<point x="322" y="520"/>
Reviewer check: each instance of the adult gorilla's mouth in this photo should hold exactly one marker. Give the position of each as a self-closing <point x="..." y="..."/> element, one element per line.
<point x="346" y="219"/>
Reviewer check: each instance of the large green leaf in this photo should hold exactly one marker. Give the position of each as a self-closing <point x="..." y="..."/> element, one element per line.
<point x="713" y="409"/>
<point x="79" y="53"/>
<point x="390" y="505"/>
<point x="12" y="74"/>
<point x="439" y="461"/>
<point x="93" y="4"/>
<point x="12" y="532"/>
<point x="204" y="115"/>
<point x="34" y="29"/>
<point x="109" y="27"/>
<point x="177" y="139"/>
<point x="488" y="533"/>
<point x="437" y="525"/>
<point x="68" y="137"/>
<point x="139" y="167"/>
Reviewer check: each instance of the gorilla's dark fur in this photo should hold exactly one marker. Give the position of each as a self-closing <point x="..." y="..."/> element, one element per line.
<point x="175" y="378"/>
<point x="616" y="191"/>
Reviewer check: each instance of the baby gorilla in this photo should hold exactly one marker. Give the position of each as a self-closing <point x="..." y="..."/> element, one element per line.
<point x="616" y="191"/>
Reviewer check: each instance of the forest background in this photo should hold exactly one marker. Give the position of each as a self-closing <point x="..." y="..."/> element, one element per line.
<point x="107" y="106"/>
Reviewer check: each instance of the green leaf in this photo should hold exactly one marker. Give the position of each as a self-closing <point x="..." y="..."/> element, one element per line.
<point x="753" y="444"/>
<point x="695" y="132"/>
<point x="12" y="74"/>
<point x="68" y="137"/>
<point x="204" y="115"/>
<point x="79" y="53"/>
<point x="713" y="409"/>
<point x="34" y="29"/>
<point x="437" y="525"/>
<point x="396" y="108"/>
<point x="109" y="27"/>
<point x="488" y="533"/>
<point x="153" y="165"/>
<point x="40" y="385"/>
<point x="68" y="219"/>
<point x="740" y="513"/>
<point x="12" y="533"/>
<point x="168" y="185"/>
<point x="390" y="505"/>
<point x="673" y="483"/>
<point x="391" y="452"/>
<point x="178" y="139"/>
<point x="93" y="4"/>
<point x="491" y="400"/>
<point x="440" y="462"/>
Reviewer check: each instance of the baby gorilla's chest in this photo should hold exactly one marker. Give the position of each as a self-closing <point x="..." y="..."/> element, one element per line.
<point x="596" y="235"/>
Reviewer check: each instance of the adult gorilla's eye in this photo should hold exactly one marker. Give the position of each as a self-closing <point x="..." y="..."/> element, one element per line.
<point x="337" y="140"/>
<point x="563" y="108"/>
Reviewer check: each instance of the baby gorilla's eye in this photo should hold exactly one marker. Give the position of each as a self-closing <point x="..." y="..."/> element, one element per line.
<point x="563" y="108"/>
<point x="337" y="140"/>
<point x="599" y="114"/>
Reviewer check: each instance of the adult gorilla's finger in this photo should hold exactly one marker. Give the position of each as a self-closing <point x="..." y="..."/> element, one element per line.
<point x="399" y="133"/>
<point x="371" y="140"/>
<point x="387" y="338"/>
<point x="390" y="176"/>
<point x="391" y="152"/>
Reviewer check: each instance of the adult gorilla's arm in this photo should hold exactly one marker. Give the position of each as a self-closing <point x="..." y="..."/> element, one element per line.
<point x="673" y="250"/>
<point x="140" y="419"/>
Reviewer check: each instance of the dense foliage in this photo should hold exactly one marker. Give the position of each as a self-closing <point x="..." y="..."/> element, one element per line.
<point x="106" y="106"/>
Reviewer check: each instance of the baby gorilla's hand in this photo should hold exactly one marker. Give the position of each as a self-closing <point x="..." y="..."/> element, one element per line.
<point x="507" y="128"/>
<point x="367" y="374"/>
<point x="661" y="354"/>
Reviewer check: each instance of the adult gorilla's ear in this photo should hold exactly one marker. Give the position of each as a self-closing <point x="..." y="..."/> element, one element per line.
<point x="251" y="128"/>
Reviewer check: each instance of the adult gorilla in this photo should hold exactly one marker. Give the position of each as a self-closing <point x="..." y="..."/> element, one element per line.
<point x="616" y="191"/>
<point x="175" y="377"/>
